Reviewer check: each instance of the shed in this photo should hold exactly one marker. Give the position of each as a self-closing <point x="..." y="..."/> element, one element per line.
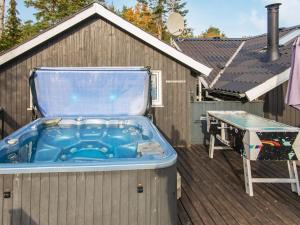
<point x="96" y="37"/>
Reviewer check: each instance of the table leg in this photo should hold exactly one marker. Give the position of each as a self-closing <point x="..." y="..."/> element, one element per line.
<point x="292" y="175"/>
<point x="292" y="167"/>
<point x="211" y="146"/>
<point x="296" y="177"/>
<point x="248" y="176"/>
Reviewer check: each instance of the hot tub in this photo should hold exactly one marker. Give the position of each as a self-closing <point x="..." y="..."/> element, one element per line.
<point x="93" y="157"/>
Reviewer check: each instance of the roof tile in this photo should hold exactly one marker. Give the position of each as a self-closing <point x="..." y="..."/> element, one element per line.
<point x="212" y="52"/>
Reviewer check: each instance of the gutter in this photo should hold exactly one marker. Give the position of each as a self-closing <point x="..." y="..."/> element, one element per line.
<point x="289" y="37"/>
<point x="259" y="89"/>
<point x="228" y="93"/>
<point x="268" y="85"/>
<point x="207" y="95"/>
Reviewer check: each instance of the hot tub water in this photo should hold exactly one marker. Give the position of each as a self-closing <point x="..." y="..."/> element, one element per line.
<point x="73" y="140"/>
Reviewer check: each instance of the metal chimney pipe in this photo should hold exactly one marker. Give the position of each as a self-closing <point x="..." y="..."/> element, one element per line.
<point x="273" y="32"/>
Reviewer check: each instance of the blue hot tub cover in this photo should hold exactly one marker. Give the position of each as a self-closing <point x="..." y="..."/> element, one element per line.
<point x="90" y="91"/>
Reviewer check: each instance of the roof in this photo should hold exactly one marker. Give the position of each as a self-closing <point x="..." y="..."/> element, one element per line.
<point x="213" y="52"/>
<point x="105" y="13"/>
<point x="248" y="73"/>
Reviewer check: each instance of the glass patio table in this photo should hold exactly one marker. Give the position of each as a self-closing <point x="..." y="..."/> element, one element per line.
<point x="256" y="138"/>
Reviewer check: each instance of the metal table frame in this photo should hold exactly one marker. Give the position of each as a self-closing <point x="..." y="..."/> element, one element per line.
<point x="249" y="180"/>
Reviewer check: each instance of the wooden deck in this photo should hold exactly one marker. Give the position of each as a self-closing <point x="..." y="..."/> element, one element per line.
<point x="213" y="191"/>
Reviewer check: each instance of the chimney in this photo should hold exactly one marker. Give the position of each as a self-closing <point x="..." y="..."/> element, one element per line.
<point x="273" y="32"/>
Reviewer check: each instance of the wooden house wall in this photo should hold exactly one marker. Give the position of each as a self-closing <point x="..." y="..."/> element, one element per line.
<point x="276" y="109"/>
<point x="96" y="42"/>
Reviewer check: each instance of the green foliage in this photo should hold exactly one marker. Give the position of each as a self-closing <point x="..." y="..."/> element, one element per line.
<point x="177" y="6"/>
<point x="50" y="12"/>
<point x="12" y="30"/>
<point x="149" y="15"/>
<point x="163" y="8"/>
<point x="144" y="2"/>
<point x="212" y="32"/>
<point x="140" y="16"/>
<point x="180" y="7"/>
<point x="112" y="8"/>
<point x="2" y="9"/>
<point x="158" y="11"/>
<point x="29" y="29"/>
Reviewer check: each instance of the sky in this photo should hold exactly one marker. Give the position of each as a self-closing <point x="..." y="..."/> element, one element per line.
<point x="236" y="18"/>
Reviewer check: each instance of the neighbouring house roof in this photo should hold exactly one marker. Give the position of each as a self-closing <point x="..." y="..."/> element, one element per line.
<point x="248" y="73"/>
<point x="213" y="52"/>
<point x="105" y="13"/>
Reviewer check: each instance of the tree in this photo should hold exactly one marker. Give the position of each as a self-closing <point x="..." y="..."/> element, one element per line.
<point x="112" y="8"/>
<point x="212" y="32"/>
<point x="158" y="14"/>
<point x="2" y="10"/>
<point x="50" y="12"/>
<point x="150" y="15"/>
<point x="180" y="7"/>
<point x="29" y="29"/>
<point x="140" y="16"/>
<point x="12" y="30"/>
<point x="177" y="6"/>
<point x="161" y="9"/>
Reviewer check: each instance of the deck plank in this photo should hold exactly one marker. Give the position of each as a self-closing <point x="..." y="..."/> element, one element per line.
<point x="213" y="191"/>
<point x="183" y="216"/>
<point x="232" y="187"/>
<point x="238" y="208"/>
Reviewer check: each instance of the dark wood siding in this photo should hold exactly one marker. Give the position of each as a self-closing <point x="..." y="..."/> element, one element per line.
<point x="91" y="198"/>
<point x="96" y="42"/>
<point x="276" y="109"/>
